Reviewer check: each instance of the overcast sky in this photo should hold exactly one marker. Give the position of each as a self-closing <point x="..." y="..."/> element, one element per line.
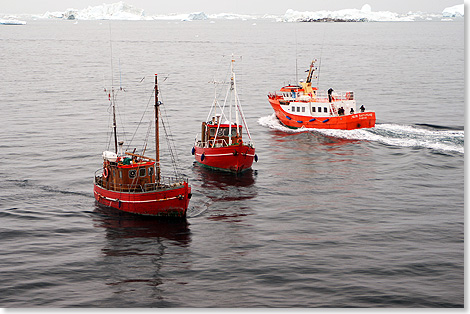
<point x="154" y="7"/>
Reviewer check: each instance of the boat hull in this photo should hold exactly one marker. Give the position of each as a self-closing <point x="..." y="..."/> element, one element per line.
<point x="168" y="202"/>
<point x="346" y="122"/>
<point x="234" y="158"/>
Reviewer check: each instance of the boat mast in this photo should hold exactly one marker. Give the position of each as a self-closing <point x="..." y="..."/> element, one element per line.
<point x="232" y="88"/>
<point x="157" y="141"/>
<point x="114" y="122"/>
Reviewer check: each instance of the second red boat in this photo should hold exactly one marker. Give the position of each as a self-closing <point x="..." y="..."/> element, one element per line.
<point x="221" y="146"/>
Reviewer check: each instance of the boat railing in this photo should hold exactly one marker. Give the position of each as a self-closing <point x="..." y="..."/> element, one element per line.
<point x="165" y="182"/>
<point x="212" y="143"/>
<point x="318" y="95"/>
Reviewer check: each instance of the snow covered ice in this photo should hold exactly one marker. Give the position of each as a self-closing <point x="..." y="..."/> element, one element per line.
<point x="123" y="11"/>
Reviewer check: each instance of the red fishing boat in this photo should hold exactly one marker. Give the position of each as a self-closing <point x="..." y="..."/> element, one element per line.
<point x="133" y="183"/>
<point x="221" y="146"/>
<point x="304" y="106"/>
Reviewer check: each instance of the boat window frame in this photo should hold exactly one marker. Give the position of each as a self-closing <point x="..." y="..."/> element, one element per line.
<point x="144" y="173"/>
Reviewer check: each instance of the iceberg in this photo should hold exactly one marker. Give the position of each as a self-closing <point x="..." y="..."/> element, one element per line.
<point x="345" y="15"/>
<point x="455" y="11"/>
<point x="122" y="11"/>
<point x="12" y="22"/>
<point x="114" y="11"/>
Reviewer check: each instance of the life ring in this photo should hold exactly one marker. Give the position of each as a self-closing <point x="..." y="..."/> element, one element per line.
<point x="105" y="173"/>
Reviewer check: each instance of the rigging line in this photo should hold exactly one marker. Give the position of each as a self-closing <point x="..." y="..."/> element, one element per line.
<point x="111" y="49"/>
<point x="321" y="53"/>
<point x="169" y="139"/>
<point x="144" y="144"/>
<point x="120" y="118"/>
<point x="140" y="122"/>
<point x="296" y="69"/>
<point x="170" y="150"/>
<point x="109" y="128"/>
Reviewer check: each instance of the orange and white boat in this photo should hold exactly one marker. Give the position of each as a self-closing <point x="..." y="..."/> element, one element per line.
<point x="133" y="183"/>
<point x="221" y="146"/>
<point x="304" y="106"/>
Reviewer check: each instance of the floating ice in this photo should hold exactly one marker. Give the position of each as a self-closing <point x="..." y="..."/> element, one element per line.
<point x="12" y="22"/>
<point x="123" y="11"/>
<point x="114" y="11"/>
<point x="455" y="11"/>
<point x="364" y="14"/>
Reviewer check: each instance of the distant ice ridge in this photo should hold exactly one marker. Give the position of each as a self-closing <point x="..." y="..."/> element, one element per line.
<point x="10" y="21"/>
<point x="114" y="11"/>
<point x="123" y="11"/>
<point x="364" y="14"/>
<point x="388" y="134"/>
<point x="455" y="11"/>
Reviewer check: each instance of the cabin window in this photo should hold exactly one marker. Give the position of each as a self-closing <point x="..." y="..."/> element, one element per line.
<point x="313" y="109"/>
<point x="150" y="171"/>
<point x="293" y="109"/>
<point x="325" y="109"/>
<point x="298" y="109"/>
<point x="319" y="109"/>
<point x="132" y="173"/>
<point x="234" y="132"/>
<point x="120" y="174"/>
<point x="212" y="132"/>
<point x="142" y="172"/>
<point x="303" y="109"/>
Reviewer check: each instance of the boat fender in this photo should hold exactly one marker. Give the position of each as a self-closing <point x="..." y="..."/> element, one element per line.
<point x="288" y="117"/>
<point x="326" y="120"/>
<point x="298" y="121"/>
<point x="105" y="173"/>
<point x="119" y="203"/>
<point x="256" y="158"/>
<point x="311" y="120"/>
<point x="193" y="151"/>
<point x="203" y="157"/>
<point x="235" y="153"/>
<point x="190" y="195"/>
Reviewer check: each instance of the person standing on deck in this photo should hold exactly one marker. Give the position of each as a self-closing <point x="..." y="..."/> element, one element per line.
<point x="329" y="94"/>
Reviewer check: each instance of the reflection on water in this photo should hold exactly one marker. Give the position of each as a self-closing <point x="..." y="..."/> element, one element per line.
<point x="119" y="224"/>
<point x="138" y="253"/>
<point x="225" y="186"/>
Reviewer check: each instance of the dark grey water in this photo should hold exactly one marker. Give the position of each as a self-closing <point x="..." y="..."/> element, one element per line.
<point x="365" y="218"/>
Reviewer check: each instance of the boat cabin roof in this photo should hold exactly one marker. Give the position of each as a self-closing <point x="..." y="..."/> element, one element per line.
<point x="222" y="125"/>
<point x="290" y="88"/>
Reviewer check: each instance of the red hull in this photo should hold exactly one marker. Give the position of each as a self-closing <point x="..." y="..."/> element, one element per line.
<point x="167" y="202"/>
<point x="346" y="122"/>
<point x="235" y="158"/>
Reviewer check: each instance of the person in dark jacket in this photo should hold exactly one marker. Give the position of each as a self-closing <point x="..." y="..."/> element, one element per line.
<point x="329" y="94"/>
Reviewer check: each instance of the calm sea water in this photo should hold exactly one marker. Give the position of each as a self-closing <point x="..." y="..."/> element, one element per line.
<point x="364" y="218"/>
